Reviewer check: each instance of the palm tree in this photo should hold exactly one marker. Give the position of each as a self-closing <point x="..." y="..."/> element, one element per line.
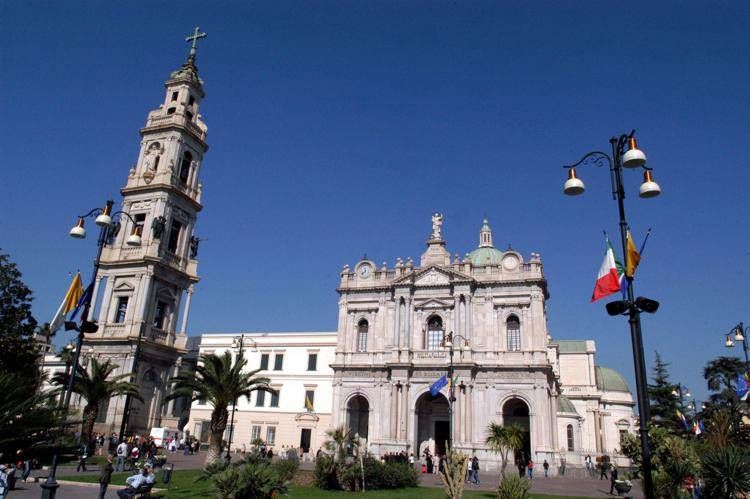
<point x="96" y="385"/>
<point x="340" y="440"/>
<point x="504" y="439"/>
<point x="220" y="382"/>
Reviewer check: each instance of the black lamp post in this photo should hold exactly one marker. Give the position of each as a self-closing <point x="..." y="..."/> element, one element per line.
<point x="449" y="340"/>
<point x="739" y="333"/>
<point x="632" y="307"/>
<point x="108" y="229"/>
<point x="237" y="342"/>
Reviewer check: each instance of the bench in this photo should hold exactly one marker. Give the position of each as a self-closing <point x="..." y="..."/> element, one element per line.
<point x="143" y="490"/>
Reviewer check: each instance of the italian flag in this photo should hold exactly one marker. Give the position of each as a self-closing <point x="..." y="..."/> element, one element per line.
<point x="610" y="274"/>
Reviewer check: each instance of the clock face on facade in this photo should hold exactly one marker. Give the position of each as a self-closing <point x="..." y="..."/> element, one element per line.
<point x="364" y="270"/>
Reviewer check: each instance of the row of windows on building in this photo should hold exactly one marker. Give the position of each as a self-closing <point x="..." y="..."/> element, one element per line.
<point x="160" y="312"/>
<point x="435" y="334"/>
<point x="278" y="361"/>
<point x="256" y="432"/>
<point x="260" y="399"/>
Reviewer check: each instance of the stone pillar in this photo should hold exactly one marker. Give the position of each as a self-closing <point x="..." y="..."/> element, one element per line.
<point x="186" y="312"/>
<point x="404" y="413"/>
<point x="396" y="310"/>
<point x="145" y="296"/>
<point x="94" y="295"/>
<point x="469" y="414"/>
<point x="456" y="314"/>
<point x="394" y="411"/>
<point x="469" y="314"/>
<point x="107" y="300"/>
<point x="409" y="316"/>
<point x="457" y="420"/>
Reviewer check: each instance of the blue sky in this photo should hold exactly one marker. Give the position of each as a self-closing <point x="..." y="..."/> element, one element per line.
<point x="337" y="128"/>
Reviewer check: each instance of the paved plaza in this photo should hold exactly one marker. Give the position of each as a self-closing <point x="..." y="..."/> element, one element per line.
<point x="574" y="484"/>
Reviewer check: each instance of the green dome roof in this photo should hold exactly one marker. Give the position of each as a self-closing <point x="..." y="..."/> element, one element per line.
<point x="609" y="380"/>
<point x="565" y="405"/>
<point x="485" y="256"/>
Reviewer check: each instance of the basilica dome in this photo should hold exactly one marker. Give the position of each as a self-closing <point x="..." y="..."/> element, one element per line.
<point x="609" y="380"/>
<point x="485" y="254"/>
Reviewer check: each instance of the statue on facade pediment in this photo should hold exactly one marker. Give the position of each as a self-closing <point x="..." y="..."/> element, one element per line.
<point x="437" y="224"/>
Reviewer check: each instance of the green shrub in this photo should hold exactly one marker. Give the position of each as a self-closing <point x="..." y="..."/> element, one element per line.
<point x="326" y="476"/>
<point x="378" y="475"/>
<point x="249" y="481"/>
<point x="726" y="472"/>
<point x="286" y="468"/>
<point x="513" y="486"/>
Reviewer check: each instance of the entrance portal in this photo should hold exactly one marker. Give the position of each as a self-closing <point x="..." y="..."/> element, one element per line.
<point x="515" y="411"/>
<point x="358" y="416"/>
<point x="432" y="423"/>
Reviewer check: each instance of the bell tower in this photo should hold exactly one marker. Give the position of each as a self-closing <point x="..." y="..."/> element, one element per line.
<point x="142" y="294"/>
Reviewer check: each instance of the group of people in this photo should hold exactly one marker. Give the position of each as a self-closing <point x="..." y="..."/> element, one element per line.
<point x="142" y="479"/>
<point x="132" y="449"/>
<point x="397" y="457"/>
<point x="10" y="472"/>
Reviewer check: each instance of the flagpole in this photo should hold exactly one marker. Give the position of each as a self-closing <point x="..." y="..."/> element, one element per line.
<point x="49" y="486"/>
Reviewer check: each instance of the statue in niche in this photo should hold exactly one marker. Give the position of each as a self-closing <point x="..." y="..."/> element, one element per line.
<point x="437" y="224"/>
<point x="158" y="226"/>
<point x="194" y="242"/>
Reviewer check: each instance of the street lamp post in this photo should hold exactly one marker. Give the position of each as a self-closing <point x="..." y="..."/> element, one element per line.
<point x="449" y="340"/>
<point x="107" y="229"/>
<point x="632" y="307"/>
<point x="739" y="333"/>
<point x="237" y="342"/>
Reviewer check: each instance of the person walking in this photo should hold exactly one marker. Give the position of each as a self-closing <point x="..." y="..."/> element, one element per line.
<point x="545" y="465"/>
<point x="475" y="469"/>
<point x="122" y="454"/>
<point x="530" y="468"/>
<point x="83" y="454"/>
<point x="3" y="481"/>
<point x="612" y="480"/>
<point x="105" y="476"/>
<point x="604" y="465"/>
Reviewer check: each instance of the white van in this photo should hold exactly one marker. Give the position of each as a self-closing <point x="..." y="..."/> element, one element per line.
<point x="162" y="435"/>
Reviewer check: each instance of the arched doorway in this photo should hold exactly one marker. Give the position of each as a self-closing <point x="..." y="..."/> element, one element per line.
<point x="358" y="415"/>
<point x="433" y="423"/>
<point x="515" y="411"/>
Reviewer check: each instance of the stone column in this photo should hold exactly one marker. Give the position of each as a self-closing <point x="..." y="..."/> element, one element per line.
<point x="394" y="411"/>
<point x="467" y="330"/>
<point x="458" y="407"/>
<point x="469" y="414"/>
<point x="396" y="310"/>
<point x="404" y="413"/>
<point x="94" y="295"/>
<point x="409" y="317"/>
<point x="107" y="300"/>
<point x="145" y="296"/>
<point x="456" y="314"/>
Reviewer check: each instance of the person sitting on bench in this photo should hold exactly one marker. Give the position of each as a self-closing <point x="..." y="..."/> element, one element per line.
<point x="137" y="483"/>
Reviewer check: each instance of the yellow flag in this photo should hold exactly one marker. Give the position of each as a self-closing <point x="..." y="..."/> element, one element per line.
<point x="308" y="404"/>
<point x="73" y="296"/>
<point x="633" y="258"/>
<point x="69" y="303"/>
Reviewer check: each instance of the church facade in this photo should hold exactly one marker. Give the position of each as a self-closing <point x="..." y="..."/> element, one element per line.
<point x="391" y="347"/>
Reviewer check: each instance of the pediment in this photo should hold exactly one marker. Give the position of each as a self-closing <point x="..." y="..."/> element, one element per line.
<point x="433" y="303"/>
<point x="124" y="286"/>
<point x="309" y="417"/>
<point x="433" y="277"/>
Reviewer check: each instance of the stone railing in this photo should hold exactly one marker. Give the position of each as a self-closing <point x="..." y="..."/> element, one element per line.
<point x="160" y="336"/>
<point x="177" y="119"/>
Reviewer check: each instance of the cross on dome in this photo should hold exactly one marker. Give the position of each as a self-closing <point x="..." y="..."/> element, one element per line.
<point x="197" y="35"/>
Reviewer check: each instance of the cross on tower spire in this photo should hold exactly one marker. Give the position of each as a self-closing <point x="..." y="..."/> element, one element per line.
<point x="194" y="45"/>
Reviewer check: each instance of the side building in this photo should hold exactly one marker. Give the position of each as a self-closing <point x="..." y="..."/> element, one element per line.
<point x="298" y="365"/>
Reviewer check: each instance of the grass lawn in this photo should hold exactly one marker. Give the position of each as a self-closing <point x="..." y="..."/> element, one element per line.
<point x="185" y="486"/>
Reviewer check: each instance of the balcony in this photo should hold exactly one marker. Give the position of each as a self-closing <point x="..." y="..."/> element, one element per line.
<point x="159" y="336"/>
<point x="176" y="119"/>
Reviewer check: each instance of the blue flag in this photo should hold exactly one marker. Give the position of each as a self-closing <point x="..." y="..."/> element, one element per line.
<point x="85" y="296"/>
<point x="438" y="385"/>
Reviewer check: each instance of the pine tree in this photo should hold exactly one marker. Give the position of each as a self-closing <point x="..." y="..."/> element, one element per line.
<point x="17" y="326"/>
<point x="663" y="404"/>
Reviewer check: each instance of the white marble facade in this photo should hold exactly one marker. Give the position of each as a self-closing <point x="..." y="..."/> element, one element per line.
<point x="389" y="352"/>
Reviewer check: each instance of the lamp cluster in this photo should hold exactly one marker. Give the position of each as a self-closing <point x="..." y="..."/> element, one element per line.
<point x="104" y="219"/>
<point x="633" y="158"/>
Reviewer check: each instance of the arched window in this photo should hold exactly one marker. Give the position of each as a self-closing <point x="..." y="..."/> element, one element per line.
<point x="362" y="329"/>
<point x="513" y="327"/>
<point x="571" y="446"/>
<point x="187" y="158"/>
<point x="435" y="333"/>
